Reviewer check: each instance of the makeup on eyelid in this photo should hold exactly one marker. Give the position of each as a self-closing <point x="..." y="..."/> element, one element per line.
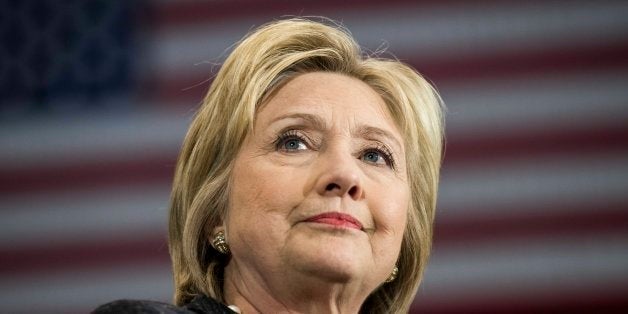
<point x="292" y="135"/>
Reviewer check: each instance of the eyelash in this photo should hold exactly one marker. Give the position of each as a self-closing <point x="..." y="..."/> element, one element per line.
<point x="385" y="152"/>
<point x="289" y="135"/>
<point x="381" y="149"/>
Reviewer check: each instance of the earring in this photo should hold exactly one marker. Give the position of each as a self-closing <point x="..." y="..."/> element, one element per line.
<point x="220" y="244"/>
<point x="393" y="274"/>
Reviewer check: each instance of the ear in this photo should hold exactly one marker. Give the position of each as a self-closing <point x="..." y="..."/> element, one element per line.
<point x="214" y="224"/>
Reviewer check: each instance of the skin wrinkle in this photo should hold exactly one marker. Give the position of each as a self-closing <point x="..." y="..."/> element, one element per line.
<point x="361" y="131"/>
<point x="365" y="139"/>
<point x="278" y="259"/>
<point x="245" y="291"/>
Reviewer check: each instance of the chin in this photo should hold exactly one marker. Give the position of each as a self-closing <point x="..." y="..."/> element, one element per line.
<point x="329" y="273"/>
<point x="335" y="257"/>
<point x="328" y="269"/>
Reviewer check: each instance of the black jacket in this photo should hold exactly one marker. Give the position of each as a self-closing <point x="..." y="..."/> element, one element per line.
<point x="200" y="304"/>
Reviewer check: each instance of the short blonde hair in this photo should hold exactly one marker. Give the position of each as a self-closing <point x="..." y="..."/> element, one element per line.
<point x="259" y="64"/>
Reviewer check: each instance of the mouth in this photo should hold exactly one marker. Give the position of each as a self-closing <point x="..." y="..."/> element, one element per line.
<point x="337" y="220"/>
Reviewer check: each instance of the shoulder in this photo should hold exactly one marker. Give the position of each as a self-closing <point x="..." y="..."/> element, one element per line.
<point x="200" y="304"/>
<point x="138" y="306"/>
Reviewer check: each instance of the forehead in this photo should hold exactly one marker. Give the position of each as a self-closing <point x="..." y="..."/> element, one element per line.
<point x="335" y="98"/>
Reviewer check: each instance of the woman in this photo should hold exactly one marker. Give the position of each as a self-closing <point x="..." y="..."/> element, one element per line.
<point x="307" y="181"/>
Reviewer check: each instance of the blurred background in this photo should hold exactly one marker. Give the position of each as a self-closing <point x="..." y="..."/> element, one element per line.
<point x="95" y="98"/>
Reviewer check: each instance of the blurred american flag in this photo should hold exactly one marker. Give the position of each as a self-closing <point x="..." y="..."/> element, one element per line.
<point x="95" y="97"/>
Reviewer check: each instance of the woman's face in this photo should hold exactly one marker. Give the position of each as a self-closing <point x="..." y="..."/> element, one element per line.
<point x="319" y="187"/>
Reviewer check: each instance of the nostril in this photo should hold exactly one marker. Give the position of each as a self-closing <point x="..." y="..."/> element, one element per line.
<point x="332" y="186"/>
<point x="353" y="191"/>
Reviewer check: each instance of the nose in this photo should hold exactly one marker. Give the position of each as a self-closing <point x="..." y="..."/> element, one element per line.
<point x="339" y="176"/>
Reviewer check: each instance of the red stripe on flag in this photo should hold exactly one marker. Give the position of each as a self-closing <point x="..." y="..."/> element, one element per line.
<point x="178" y="88"/>
<point x="529" y="221"/>
<point x="120" y="249"/>
<point x="172" y="14"/>
<point x="607" y="300"/>
<point x="520" y="144"/>
<point x="87" y="175"/>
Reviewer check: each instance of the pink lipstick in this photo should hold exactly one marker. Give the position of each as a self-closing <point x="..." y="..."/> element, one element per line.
<point x="336" y="219"/>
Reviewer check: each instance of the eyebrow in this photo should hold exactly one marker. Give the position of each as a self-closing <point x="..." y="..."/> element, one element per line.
<point x="314" y="120"/>
<point x="369" y="131"/>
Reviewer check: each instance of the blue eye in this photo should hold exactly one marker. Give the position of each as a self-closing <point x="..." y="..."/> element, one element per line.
<point x="374" y="157"/>
<point x="293" y="144"/>
<point x="380" y="156"/>
<point x="291" y="141"/>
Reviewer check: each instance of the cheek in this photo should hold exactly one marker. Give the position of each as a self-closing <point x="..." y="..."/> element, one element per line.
<point x="261" y="198"/>
<point x="259" y="188"/>
<point x="391" y="213"/>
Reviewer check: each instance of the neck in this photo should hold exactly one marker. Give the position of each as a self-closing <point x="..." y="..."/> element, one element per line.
<point x="289" y="293"/>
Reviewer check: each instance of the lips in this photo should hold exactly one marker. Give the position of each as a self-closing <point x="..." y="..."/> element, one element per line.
<point x="336" y="219"/>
